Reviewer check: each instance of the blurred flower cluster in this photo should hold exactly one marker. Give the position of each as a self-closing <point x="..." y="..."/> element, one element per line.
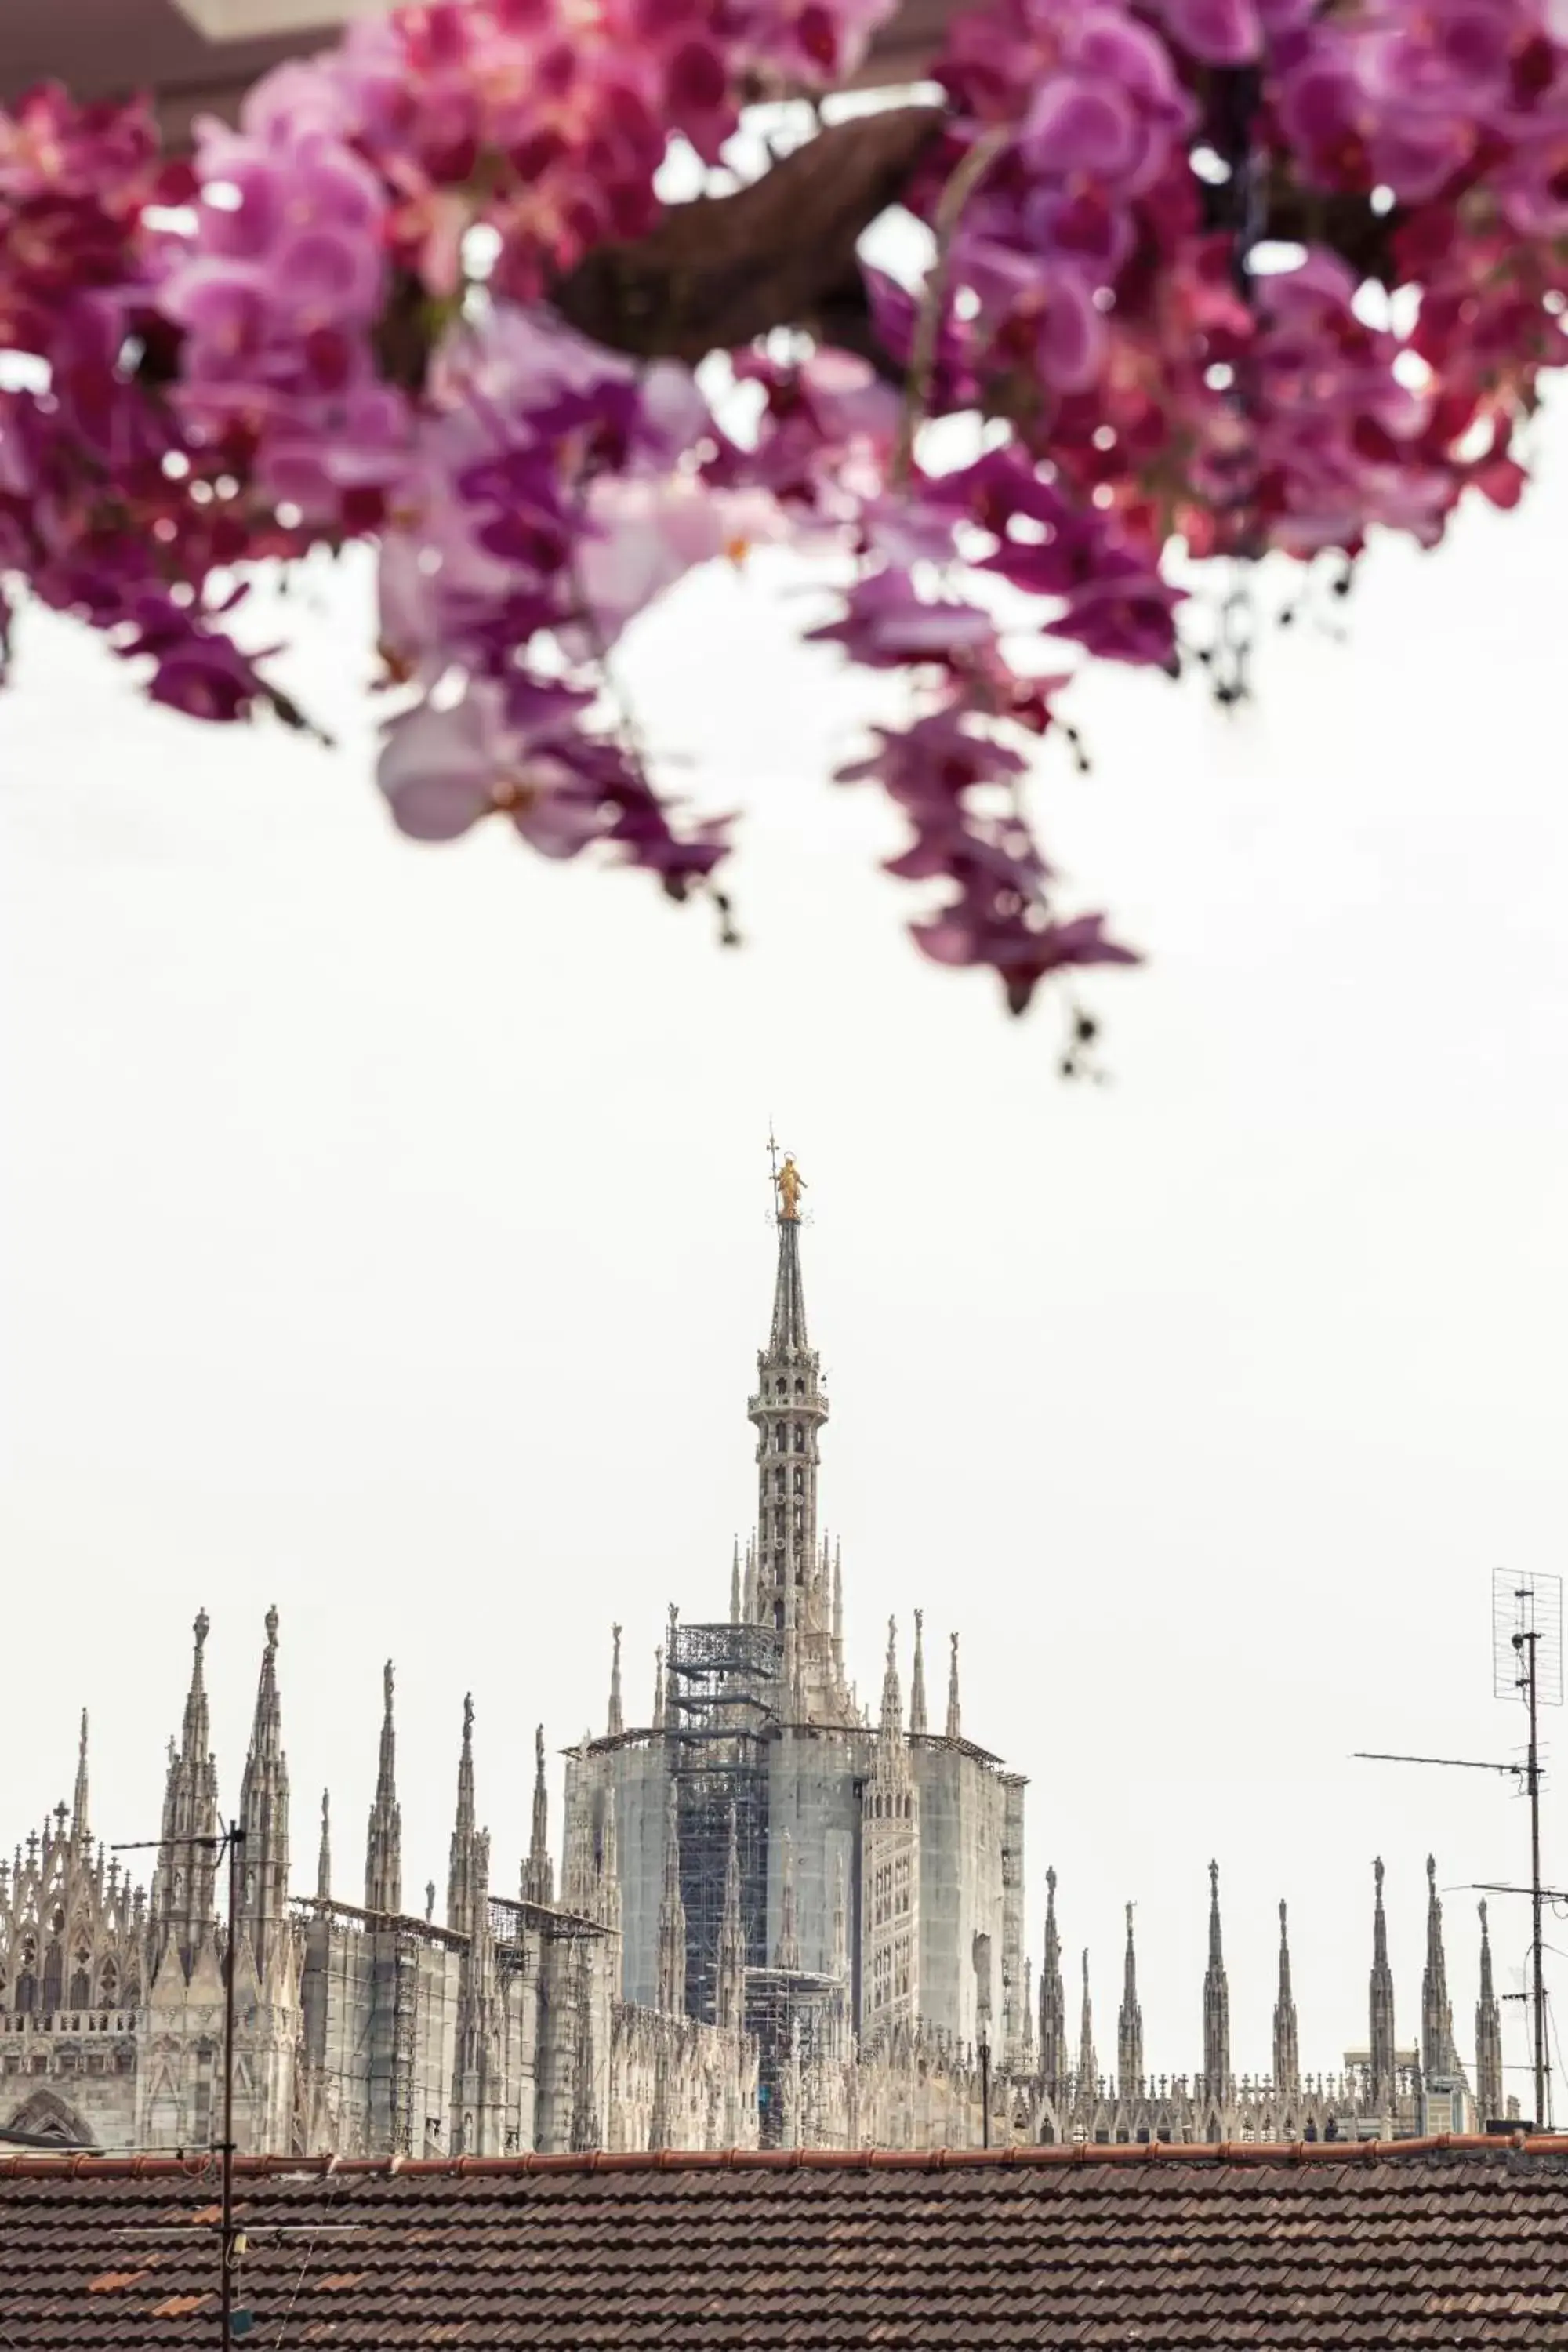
<point x="1219" y="278"/>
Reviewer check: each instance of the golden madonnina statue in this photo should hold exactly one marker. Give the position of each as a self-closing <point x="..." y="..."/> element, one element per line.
<point x="791" y="1184"/>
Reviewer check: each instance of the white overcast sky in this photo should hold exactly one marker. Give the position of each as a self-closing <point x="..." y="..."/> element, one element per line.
<point x="384" y="1235"/>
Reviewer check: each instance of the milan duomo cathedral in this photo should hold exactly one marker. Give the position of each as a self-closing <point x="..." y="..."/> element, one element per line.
<point x="777" y="1921"/>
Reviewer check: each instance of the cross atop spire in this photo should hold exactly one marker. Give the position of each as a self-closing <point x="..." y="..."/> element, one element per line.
<point x="384" y="1836"/>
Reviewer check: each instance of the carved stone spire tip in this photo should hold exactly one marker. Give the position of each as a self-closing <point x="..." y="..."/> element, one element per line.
<point x="271" y="1621"/>
<point x="201" y="1629"/>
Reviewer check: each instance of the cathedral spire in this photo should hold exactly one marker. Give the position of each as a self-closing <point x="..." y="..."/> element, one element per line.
<point x="539" y="1870"/>
<point x="918" y="1679"/>
<point x="615" y="1721"/>
<point x="1488" y="2037"/>
<point x="264" y="1816"/>
<point x="1286" y="2048"/>
<point x="671" y="1995"/>
<point x="658" y="1688"/>
<point x="184" y="1886"/>
<point x="1381" y="2004"/>
<point x="324" y="1852"/>
<point x="1053" y="2004"/>
<point x="954" y="1719"/>
<point x="1217" y="2004"/>
<point x="81" y="1836"/>
<point x="735" y="1583"/>
<point x="464" y="1898"/>
<point x="1088" y="2064"/>
<point x="787" y="1956"/>
<point x="383" y="1835"/>
<point x="1438" y="2056"/>
<point x="787" y="1410"/>
<point x="1130" y="2025"/>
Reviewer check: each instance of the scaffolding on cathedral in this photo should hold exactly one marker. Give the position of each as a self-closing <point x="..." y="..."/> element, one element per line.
<point x="719" y="1715"/>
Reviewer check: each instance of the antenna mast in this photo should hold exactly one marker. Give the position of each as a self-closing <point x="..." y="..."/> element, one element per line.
<point x="1527" y="1661"/>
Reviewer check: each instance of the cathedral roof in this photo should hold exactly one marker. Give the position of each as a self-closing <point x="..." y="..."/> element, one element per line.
<point x="1425" y="2243"/>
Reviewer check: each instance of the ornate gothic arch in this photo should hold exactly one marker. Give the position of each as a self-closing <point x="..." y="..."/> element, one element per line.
<point x="46" y="2117"/>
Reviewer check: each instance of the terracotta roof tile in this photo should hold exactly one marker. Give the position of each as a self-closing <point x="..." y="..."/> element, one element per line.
<point x="1420" y="2247"/>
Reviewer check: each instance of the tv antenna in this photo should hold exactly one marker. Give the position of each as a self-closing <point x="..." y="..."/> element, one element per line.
<point x="1527" y="1662"/>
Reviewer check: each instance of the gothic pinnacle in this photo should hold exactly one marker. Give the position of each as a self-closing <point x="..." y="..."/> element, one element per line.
<point x="1130" y="2024"/>
<point x="1438" y="2056"/>
<point x="735" y="1583"/>
<point x="539" y="1870"/>
<point x="892" y="1703"/>
<point x="615" y="1721"/>
<point x="918" y="1679"/>
<point x="1381" y="2003"/>
<point x="325" y="1852"/>
<point x="1216" y="2005"/>
<point x="264" y="1815"/>
<point x="955" y="1719"/>
<point x="383" y="1833"/>
<point x="464" y="1898"/>
<point x="1053" y="2004"/>
<point x="1287" y="2046"/>
<point x="80" y="1835"/>
<point x="1488" y="2037"/>
<point x="1087" y="2064"/>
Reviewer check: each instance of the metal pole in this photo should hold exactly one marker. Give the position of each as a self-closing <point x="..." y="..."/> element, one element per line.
<point x="225" y="2299"/>
<point x="1536" y="1897"/>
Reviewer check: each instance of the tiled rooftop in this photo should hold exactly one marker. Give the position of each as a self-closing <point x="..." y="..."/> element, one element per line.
<point x="1427" y="2244"/>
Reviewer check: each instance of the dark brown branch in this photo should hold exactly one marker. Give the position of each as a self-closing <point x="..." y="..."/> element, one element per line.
<point x="717" y="273"/>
